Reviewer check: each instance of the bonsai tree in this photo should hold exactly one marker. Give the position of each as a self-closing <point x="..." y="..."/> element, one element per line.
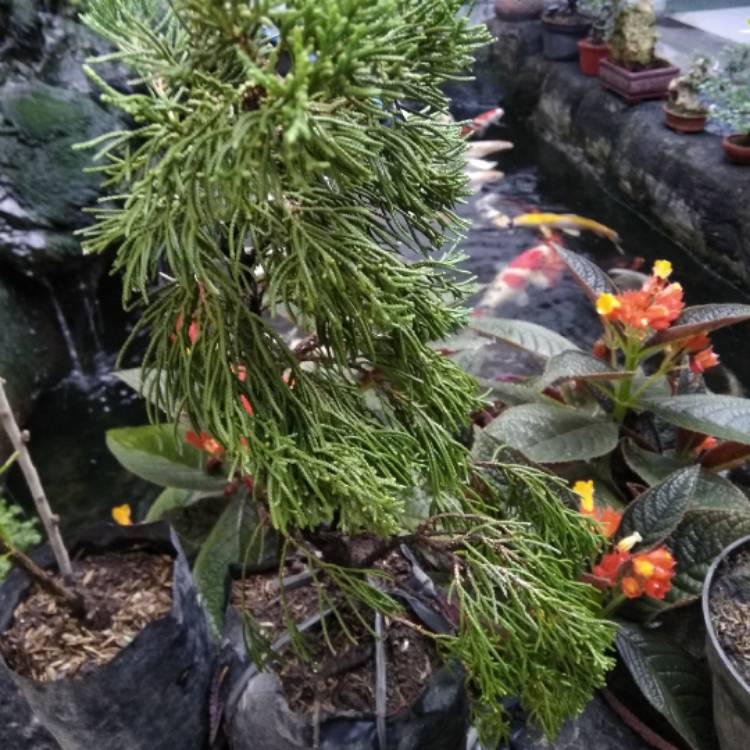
<point x="601" y="23"/>
<point x="684" y="93"/>
<point x="633" y="39"/>
<point x="728" y="89"/>
<point x="291" y="165"/>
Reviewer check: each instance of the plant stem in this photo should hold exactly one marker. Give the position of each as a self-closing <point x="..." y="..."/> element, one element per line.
<point x="71" y="599"/>
<point x="51" y="522"/>
<point x="614" y="603"/>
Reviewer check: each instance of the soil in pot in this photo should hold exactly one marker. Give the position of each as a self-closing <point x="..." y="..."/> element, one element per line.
<point x="46" y="642"/>
<point x="338" y="674"/>
<point x="730" y="613"/>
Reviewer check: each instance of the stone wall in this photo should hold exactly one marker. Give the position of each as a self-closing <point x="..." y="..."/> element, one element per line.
<point x="681" y="183"/>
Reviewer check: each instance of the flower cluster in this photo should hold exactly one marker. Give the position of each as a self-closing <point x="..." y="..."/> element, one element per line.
<point x="655" y="306"/>
<point x="608" y="518"/>
<point x="647" y="573"/>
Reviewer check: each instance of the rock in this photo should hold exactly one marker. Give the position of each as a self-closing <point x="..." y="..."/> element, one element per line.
<point x="47" y="105"/>
<point x="20" y="729"/>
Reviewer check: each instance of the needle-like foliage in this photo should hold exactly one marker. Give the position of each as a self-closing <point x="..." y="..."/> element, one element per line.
<point x="293" y="160"/>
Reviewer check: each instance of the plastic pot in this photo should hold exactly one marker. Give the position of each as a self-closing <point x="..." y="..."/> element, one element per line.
<point x="737" y="148"/>
<point x="560" y="35"/>
<point x="682" y="123"/>
<point x="636" y="85"/>
<point x="257" y="714"/>
<point x="518" y="10"/>
<point x="731" y="694"/>
<point x="590" y="55"/>
<point x="154" y="694"/>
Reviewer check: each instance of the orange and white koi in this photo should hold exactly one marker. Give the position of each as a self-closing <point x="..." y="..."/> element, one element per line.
<point x="539" y="266"/>
<point x="483" y="122"/>
<point x="483" y="149"/>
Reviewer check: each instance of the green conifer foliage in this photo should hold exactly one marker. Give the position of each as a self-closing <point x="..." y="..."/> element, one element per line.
<point x="292" y="159"/>
<point x="276" y="166"/>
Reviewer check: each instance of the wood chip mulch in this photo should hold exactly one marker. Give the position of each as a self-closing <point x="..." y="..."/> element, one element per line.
<point x="46" y="643"/>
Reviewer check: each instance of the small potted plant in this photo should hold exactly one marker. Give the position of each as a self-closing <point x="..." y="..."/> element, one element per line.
<point x="562" y="26"/>
<point x="594" y="48"/>
<point x="728" y="88"/>
<point x="726" y="614"/>
<point x="684" y="109"/>
<point x="633" y="70"/>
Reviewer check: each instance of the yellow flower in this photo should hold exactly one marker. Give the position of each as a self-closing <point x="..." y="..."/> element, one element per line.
<point x="122" y="515"/>
<point x="606" y="303"/>
<point x="585" y="490"/>
<point x="626" y="544"/>
<point x="643" y="567"/>
<point x="662" y="269"/>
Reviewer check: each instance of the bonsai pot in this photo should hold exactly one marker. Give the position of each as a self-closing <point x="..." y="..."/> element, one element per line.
<point x="590" y="55"/>
<point x="153" y="694"/>
<point x="560" y="35"/>
<point x="682" y="123"/>
<point x="727" y="585"/>
<point x="518" y="10"/>
<point x="636" y="85"/>
<point x="737" y="148"/>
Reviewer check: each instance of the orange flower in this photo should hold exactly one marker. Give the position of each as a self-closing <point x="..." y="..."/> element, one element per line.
<point x="706" y="444"/>
<point x="246" y="405"/>
<point x="632" y="587"/>
<point x="204" y="442"/>
<point x="696" y="343"/>
<point x="647" y="573"/>
<point x="611" y="565"/>
<point x="704" y="360"/>
<point x="122" y="515"/>
<point x="608" y="518"/>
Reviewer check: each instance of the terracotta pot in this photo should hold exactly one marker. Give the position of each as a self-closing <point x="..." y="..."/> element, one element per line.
<point x="682" y="123"/>
<point x="737" y="148"/>
<point x="590" y="55"/>
<point x="518" y="10"/>
<point x="560" y="35"/>
<point x="635" y="86"/>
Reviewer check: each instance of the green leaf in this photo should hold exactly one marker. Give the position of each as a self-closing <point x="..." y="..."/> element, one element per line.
<point x="711" y="491"/>
<point x="671" y="681"/>
<point x="531" y="337"/>
<point x="588" y="275"/>
<point x="697" y="541"/>
<point x="702" y="319"/>
<point x="169" y="499"/>
<point x="656" y="513"/>
<point x="726" y="417"/>
<point x="152" y="453"/>
<point x="512" y="392"/>
<point x="234" y="540"/>
<point x="143" y="387"/>
<point x="549" y="434"/>
<point x="577" y="365"/>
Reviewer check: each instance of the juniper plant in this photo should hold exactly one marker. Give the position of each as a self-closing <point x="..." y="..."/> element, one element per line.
<point x="293" y="160"/>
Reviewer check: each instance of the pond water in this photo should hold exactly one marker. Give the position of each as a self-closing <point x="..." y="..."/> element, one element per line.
<point x="69" y="422"/>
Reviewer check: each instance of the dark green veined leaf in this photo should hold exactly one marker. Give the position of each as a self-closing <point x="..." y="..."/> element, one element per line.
<point x="726" y="417"/>
<point x="520" y="333"/>
<point x="656" y="513"/>
<point x="711" y="491"/>
<point x="671" y="681"/>
<point x="549" y="434"/>
<point x="152" y="453"/>
<point x="696" y="543"/>
<point x="576" y="365"/>
<point x="589" y="276"/>
<point x="702" y="319"/>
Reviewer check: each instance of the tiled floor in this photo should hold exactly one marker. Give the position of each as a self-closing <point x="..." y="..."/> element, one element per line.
<point x="728" y="23"/>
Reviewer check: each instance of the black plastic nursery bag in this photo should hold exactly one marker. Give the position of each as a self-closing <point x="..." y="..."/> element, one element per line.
<point x="154" y="694"/>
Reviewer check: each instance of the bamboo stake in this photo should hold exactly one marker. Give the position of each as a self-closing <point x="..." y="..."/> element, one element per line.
<point x="51" y="522"/>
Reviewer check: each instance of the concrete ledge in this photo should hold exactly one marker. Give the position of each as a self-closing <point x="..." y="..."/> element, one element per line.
<point x="683" y="184"/>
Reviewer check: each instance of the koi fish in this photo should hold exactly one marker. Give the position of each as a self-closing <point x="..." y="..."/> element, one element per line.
<point x="482" y="149"/>
<point x="482" y="122"/>
<point x="539" y="266"/>
<point x="564" y="222"/>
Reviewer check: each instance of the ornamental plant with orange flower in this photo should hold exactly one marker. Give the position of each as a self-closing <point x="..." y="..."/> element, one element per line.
<point x="634" y="430"/>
